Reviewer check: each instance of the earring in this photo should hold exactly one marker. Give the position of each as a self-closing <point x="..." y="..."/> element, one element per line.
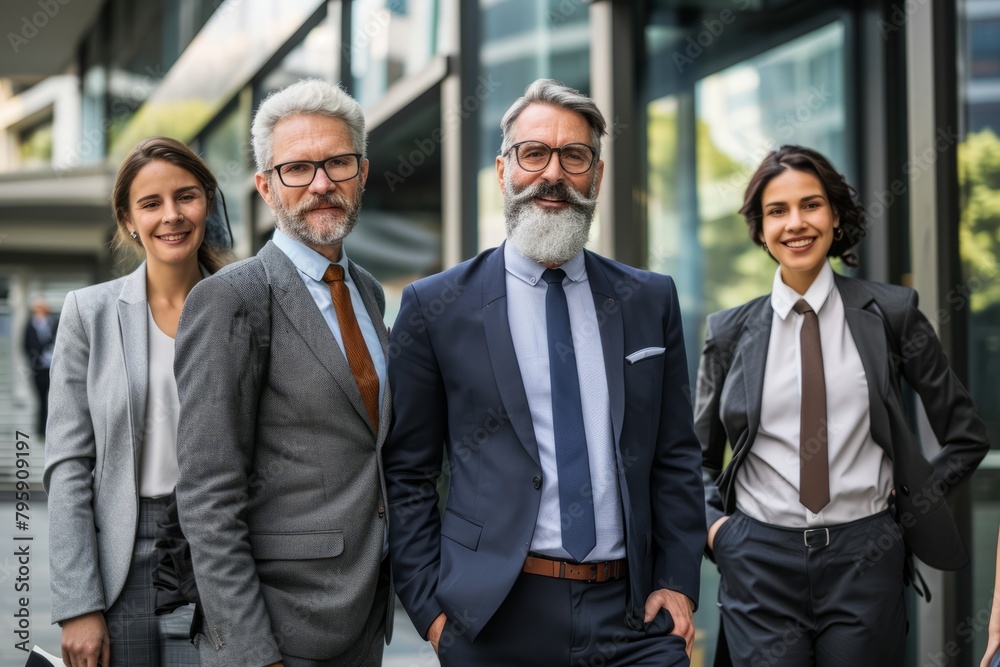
<point x="764" y="246"/>
<point x="838" y="234"/>
<point x="135" y="237"/>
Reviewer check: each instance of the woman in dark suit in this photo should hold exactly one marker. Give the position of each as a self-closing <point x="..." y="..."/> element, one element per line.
<point x="111" y="461"/>
<point x="827" y="488"/>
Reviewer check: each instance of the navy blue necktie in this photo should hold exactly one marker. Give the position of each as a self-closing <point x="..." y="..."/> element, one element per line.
<point x="576" y="500"/>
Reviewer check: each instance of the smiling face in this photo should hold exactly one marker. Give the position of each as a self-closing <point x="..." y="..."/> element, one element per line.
<point x="323" y="213"/>
<point x="798" y="226"/>
<point x="167" y="209"/>
<point x="548" y="212"/>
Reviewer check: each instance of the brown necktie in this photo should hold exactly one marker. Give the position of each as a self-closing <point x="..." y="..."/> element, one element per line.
<point x="355" y="347"/>
<point x="814" y="465"/>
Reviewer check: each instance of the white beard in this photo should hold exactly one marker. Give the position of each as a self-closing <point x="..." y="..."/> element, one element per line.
<point x="547" y="237"/>
<point x="292" y="221"/>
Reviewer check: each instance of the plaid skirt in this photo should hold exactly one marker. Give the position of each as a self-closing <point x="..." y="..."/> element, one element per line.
<point x="140" y="638"/>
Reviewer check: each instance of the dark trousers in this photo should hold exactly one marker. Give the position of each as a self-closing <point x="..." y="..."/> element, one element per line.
<point x="790" y="598"/>
<point x="42" y="385"/>
<point x="546" y="622"/>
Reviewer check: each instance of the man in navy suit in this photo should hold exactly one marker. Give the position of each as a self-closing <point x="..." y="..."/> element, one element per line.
<point x="555" y="382"/>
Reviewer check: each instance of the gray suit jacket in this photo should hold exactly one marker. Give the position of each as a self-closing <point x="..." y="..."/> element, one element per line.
<point x="895" y="341"/>
<point x="281" y="492"/>
<point x="94" y="441"/>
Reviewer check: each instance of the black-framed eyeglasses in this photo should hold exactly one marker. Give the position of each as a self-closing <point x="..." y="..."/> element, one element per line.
<point x="535" y="156"/>
<point x="300" y="173"/>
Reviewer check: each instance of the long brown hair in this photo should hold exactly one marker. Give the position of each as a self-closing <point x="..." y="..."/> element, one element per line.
<point x="843" y="198"/>
<point x="178" y="154"/>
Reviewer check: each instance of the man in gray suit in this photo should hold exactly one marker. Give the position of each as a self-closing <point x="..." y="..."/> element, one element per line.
<point x="280" y="368"/>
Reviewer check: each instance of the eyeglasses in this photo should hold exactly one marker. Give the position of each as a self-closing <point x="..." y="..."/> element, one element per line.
<point x="301" y="173"/>
<point x="535" y="156"/>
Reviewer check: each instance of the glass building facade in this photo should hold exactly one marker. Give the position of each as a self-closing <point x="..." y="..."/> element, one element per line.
<point x="904" y="98"/>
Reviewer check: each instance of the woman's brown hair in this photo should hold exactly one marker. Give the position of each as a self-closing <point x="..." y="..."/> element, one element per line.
<point x="176" y="153"/>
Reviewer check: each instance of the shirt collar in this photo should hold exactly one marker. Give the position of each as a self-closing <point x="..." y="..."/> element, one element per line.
<point x="784" y="297"/>
<point x="307" y="260"/>
<point x="531" y="271"/>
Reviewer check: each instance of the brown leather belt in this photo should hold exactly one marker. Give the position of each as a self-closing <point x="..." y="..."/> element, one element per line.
<point x="596" y="573"/>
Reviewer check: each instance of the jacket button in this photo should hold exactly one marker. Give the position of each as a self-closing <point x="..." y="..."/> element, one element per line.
<point x="381" y="512"/>
<point x="537" y="482"/>
<point x="904" y="489"/>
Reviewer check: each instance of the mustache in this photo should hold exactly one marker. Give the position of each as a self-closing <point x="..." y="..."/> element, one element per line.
<point x="557" y="190"/>
<point x="324" y="200"/>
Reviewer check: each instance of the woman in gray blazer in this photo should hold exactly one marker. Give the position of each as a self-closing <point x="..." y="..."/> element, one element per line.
<point x="110" y="459"/>
<point x="827" y="489"/>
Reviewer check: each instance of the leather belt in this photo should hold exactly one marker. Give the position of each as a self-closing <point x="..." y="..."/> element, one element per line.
<point x="596" y="573"/>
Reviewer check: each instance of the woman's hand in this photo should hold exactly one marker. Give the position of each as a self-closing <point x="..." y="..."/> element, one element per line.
<point x="715" y="529"/>
<point x="86" y="642"/>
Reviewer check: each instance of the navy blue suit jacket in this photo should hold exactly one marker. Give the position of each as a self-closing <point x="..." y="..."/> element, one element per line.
<point x="457" y="389"/>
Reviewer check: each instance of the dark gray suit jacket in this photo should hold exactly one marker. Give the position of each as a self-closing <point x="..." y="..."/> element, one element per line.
<point x="895" y="342"/>
<point x="281" y="492"/>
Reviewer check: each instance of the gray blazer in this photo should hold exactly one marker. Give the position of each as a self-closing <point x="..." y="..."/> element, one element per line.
<point x="93" y="442"/>
<point x="281" y="492"/>
<point x="895" y="341"/>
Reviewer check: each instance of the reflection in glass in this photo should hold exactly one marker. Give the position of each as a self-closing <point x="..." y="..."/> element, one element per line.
<point x="523" y="40"/>
<point x="226" y="150"/>
<point x="390" y="40"/>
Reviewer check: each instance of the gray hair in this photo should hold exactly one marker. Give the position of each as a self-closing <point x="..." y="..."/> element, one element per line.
<point x="551" y="92"/>
<point x="309" y="96"/>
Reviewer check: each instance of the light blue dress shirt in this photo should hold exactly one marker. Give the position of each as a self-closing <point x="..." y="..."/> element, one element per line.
<point x="311" y="266"/>
<point x="526" y="316"/>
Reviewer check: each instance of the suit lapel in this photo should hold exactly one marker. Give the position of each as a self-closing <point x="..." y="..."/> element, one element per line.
<point x="133" y="320"/>
<point x="868" y="331"/>
<point x="500" y="346"/>
<point x="752" y="349"/>
<point x="293" y="298"/>
<point x="612" y="339"/>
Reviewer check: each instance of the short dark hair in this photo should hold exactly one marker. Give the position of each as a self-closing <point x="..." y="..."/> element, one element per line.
<point x="843" y="198"/>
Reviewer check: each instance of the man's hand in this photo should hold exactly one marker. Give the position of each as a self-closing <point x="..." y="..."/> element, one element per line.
<point x="86" y="642"/>
<point x="680" y="607"/>
<point x="713" y="529"/>
<point x="276" y="664"/>
<point x="434" y="632"/>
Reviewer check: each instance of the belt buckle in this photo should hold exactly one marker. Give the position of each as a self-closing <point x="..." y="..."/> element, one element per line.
<point x="825" y="532"/>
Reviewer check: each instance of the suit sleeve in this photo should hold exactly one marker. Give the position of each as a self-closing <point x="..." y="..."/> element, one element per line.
<point x="218" y="364"/>
<point x="679" y="531"/>
<point x="708" y="425"/>
<point x="70" y="454"/>
<point x="412" y="457"/>
<point x="950" y="410"/>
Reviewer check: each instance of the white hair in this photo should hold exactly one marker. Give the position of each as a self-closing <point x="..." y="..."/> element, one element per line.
<point x="551" y="92"/>
<point x="309" y="96"/>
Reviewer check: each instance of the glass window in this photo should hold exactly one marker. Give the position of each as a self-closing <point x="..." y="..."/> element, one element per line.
<point x="978" y="295"/>
<point x="523" y="40"/>
<point x="390" y="40"/>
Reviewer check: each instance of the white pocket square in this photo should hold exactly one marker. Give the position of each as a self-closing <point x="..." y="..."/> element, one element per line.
<point x="645" y="353"/>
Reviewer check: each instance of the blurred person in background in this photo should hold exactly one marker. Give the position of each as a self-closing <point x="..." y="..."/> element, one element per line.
<point x="39" y="341"/>
<point x="111" y="454"/>
<point x="827" y="492"/>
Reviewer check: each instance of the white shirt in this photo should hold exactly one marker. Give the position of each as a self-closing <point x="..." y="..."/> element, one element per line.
<point x="767" y="484"/>
<point x="158" y="466"/>
<point x="526" y="316"/>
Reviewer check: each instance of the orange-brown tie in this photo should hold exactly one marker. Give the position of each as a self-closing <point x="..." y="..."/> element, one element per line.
<point x="355" y="347"/>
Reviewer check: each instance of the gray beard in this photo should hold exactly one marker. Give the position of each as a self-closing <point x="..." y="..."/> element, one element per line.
<point x="547" y="237"/>
<point x="292" y="221"/>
